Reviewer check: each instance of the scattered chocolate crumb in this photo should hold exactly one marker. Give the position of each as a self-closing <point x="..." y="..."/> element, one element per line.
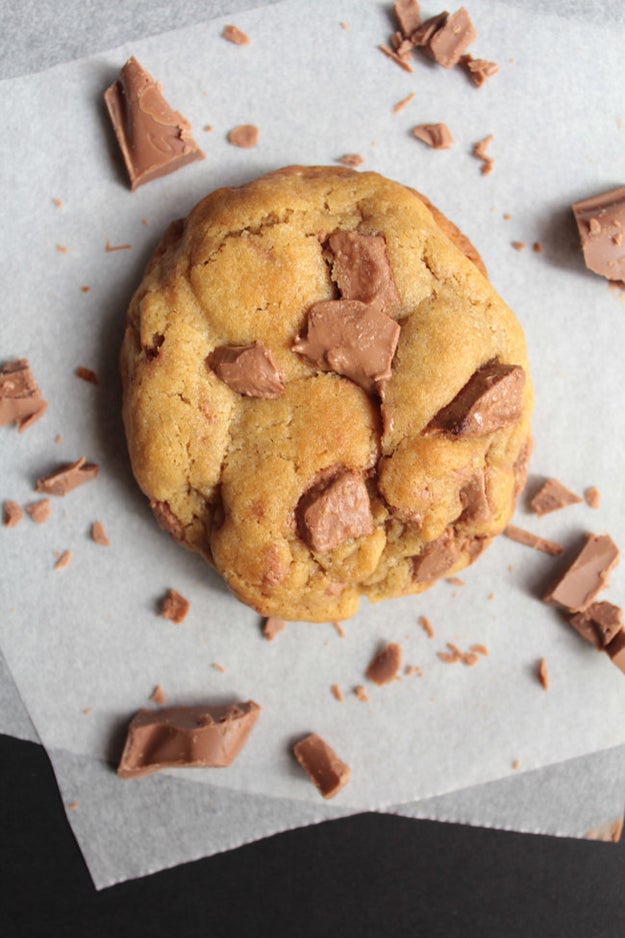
<point x="361" y="693"/>
<point x="478" y="70"/>
<point x="339" y="628"/>
<point x="490" y="596"/>
<point x="57" y="202"/>
<point x="409" y="670"/>
<point x="98" y="535"/>
<point x="88" y="710"/>
<point x="246" y="136"/>
<point x="63" y="559"/>
<point x="480" y="649"/>
<point x="157" y="695"/>
<point x="58" y="438"/>
<point x="516" y="764"/>
<point x="609" y="832"/>
<point x="272" y="627"/>
<point x="402" y="104"/>
<point x="236" y="35"/>
<point x="207" y="128"/>
<point x="507" y="216"/>
<point x="325" y="770"/>
<point x="385" y="665"/>
<point x="543" y="674"/>
<point x="72" y="805"/>
<point x="479" y="151"/>
<point x="533" y="540"/>
<point x="437" y="136"/>
<point x="39" y="511"/>
<point x="67" y="478"/>
<point x="20" y="399"/>
<point x="398" y="59"/>
<point x="12" y="514"/>
<point x="85" y="289"/>
<point x="455" y="581"/>
<point x="537" y="247"/>
<point x="344" y="25"/>
<point x="592" y="496"/>
<point x="218" y="667"/>
<point x="86" y="374"/>
<point x="518" y="245"/>
<point x="173" y="606"/>
<point x="426" y="625"/>
<point x="61" y="249"/>
<point x="336" y="692"/>
<point x="116" y="247"/>
<point x="454" y="654"/>
<point x="351" y="159"/>
<point x="551" y="497"/>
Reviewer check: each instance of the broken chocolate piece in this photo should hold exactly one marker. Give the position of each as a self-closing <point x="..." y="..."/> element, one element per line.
<point x="154" y="139"/>
<point x="63" y="560"/>
<point x="67" y="478"/>
<point x="174" y="606"/>
<point x="491" y="400"/>
<point x="478" y="70"/>
<point x="361" y="268"/>
<point x="451" y="40"/>
<point x="592" y="496"/>
<point x="474" y="500"/>
<point x="616" y="650"/>
<point x="479" y="151"/>
<point x="437" y="136"/>
<point x="400" y="60"/>
<point x="599" y="623"/>
<point x="272" y="627"/>
<point x="86" y="374"/>
<point x="600" y="222"/>
<point x="12" y="514"/>
<point x="408" y="16"/>
<point x="339" y="510"/>
<point x="543" y="674"/>
<point x="247" y="369"/>
<point x="39" y="511"/>
<point x="98" y="534"/>
<point x="20" y="400"/>
<point x="436" y="559"/>
<point x="551" y="497"/>
<point x="424" y="33"/>
<point x="384" y="667"/>
<point x="324" y="768"/>
<point x="246" y="136"/>
<point x="351" y="159"/>
<point x="533" y="540"/>
<point x="587" y="575"/>
<point x="186" y="737"/>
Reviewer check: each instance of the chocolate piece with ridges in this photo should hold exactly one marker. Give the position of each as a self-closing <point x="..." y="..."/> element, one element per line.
<point x="385" y="665"/>
<point x="67" y="478"/>
<point x="601" y="225"/>
<point x="154" y="139"/>
<point x="20" y="399"/>
<point x="449" y="42"/>
<point x="437" y="136"/>
<point x="361" y="268"/>
<point x="324" y="768"/>
<point x="247" y="369"/>
<point x="587" y="575"/>
<point x="551" y="497"/>
<point x="491" y="400"/>
<point x="330" y="514"/>
<point x="186" y="737"/>
<point x="599" y="623"/>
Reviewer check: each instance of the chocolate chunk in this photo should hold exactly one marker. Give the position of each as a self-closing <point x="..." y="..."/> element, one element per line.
<point x="174" y="607"/>
<point x="587" y="575"/>
<point x="424" y="33"/>
<point x="12" y="514"/>
<point x="324" y="768"/>
<point x="86" y="374"/>
<point x="449" y="42"/>
<point x="236" y="35"/>
<point x="361" y="268"/>
<point x="478" y="70"/>
<point x="408" y="16"/>
<point x="273" y="627"/>
<point x="351" y="159"/>
<point x="354" y="339"/>
<point x="491" y="400"/>
<point x="616" y="650"/>
<point x="246" y="136"/>
<point x="167" y="520"/>
<point x="474" y="500"/>
<point x="154" y="139"/>
<point x="437" y="136"/>
<point x="67" y="478"/>
<point x="384" y="667"/>
<point x="330" y="514"/>
<point x="599" y="623"/>
<point x="186" y="737"/>
<point x="98" y="534"/>
<point x="436" y="559"/>
<point x="533" y="540"/>
<point x="601" y="223"/>
<point x="247" y="369"/>
<point x="551" y="497"/>
<point x="39" y="511"/>
<point x="20" y="400"/>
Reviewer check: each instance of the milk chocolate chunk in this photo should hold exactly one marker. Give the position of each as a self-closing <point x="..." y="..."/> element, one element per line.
<point x="551" y="497"/>
<point x="385" y="665"/>
<point x="437" y="136"/>
<point x="436" y="559"/>
<point x="601" y="224"/>
<point x="361" y="268"/>
<point x="478" y="70"/>
<point x="154" y="139"/>
<point x="587" y="575"/>
<point x="324" y="768"/>
<point x="354" y="339"/>
<point x="452" y="39"/>
<point x="186" y="737"/>
<point x="20" y="400"/>
<point x="245" y="135"/>
<point x="174" y="606"/>
<point x="67" y="478"/>
<point x="408" y="16"/>
<point x="330" y="514"/>
<point x="491" y="400"/>
<point x="424" y="33"/>
<point x="616" y="650"/>
<point x="247" y="369"/>
<point x="474" y="500"/>
<point x="12" y="514"/>
<point x="599" y="623"/>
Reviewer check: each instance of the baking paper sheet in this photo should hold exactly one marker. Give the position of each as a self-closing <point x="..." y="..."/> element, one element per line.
<point x="96" y="630"/>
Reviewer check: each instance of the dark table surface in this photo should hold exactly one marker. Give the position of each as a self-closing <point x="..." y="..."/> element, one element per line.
<point x="366" y="875"/>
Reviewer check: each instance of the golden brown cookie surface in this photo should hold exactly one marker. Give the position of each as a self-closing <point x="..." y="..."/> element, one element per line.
<point x="322" y="394"/>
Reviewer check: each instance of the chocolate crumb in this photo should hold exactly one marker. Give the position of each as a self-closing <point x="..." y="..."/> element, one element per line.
<point x="110" y="248"/>
<point x="437" y="136"/>
<point x="57" y="202"/>
<point x="409" y="670"/>
<point x="516" y="764"/>
<point x="336" y="692"/>
<point x="88" y="710"/>
<point x="63" y="560"/>
<point x="12" y="514"/>
<point x="592" y="496"/>
<point x="272" y="627"/>
<point x="551" y="497"/>
<point x="402" y="104"/>
<point x="20" y="399"/>
<point x="385" y="665"/>
<point x="351" y="159"/>
<point x="426" y="625"/>
<point x="245" y="135"/>
<point x="361" y="693"/>
<point x="398" y="59"/>
<point x="173" y="606"/>
<point x="39" y="511"/>
<point x="543" y="674"/>
<point x="236" y="35"/>
<point x="455" y="581"/>
<point x="157" y="695"/>
<point x="599" y="623"/>
<point x="98" y="535"/>
<point x="85" y="289"/>
<point x="537" y="247"/>
<point x="324" y="768"/>
<point x="72" y="805"/>
<point x="518" y="245"/>
<point x="480" y="649"/>
<point x="61" y="249"/>
<point x="86" y="374"/>
<point x="533" y="540"/>
<point x="67" y="478"/>
<point x="218" y="667"/>
<point x="339" y="628"/>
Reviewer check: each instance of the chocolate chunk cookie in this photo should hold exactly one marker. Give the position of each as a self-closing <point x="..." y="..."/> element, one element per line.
<point x="323" y="394"/>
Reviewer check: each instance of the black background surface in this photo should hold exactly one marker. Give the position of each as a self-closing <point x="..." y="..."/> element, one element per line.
<point x="364" y="876"/>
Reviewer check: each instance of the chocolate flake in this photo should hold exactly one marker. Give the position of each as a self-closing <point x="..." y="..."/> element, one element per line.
<point x="543" y="674"/>
<point x="67" y="478"/>
<point x="479" y="151"/>
<point x="63" y="560"/>
<point x="491" y="400"/>
<point x="272" y="627"/>
<point x="173" y="606"/>
<point x="586" y="576"/>
<point x="98" y="535"/>
<point x="245" y="135"/>
<point x="329" y="515"/>
<point x="20" y="399"/>
<point x="452" y="38"/>
<point x="157" y="695"/>
<point x="351" y="159"/>
<point x="361" y="693"/>
<point x="337" y="693"/>
<point x="385" y="665"/>
<point x="408" y="16"/>
<point x="437" y="136"/>
<point x="533" y="540"/>
<point x="426" y="625"/>
<point x="247" y="369"/>
<point x="39" y="511"/>
<point x="111" y="248"/>
<point x="478" y="70"/>
<point x="324" y="768"/>
<point x="551" y="497"/>
<point x="398" y="59"/>
<point x="86" y="374"/>
<point x="12" y="514"/>
<point x="236" y="35"/>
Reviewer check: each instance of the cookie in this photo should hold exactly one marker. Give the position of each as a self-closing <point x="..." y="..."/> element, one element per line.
<point x="323" y="394"/>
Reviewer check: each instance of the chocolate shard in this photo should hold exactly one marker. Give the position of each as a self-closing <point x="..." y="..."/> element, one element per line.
<point x="361" y="268"/>
<point x="385" y="665"/>
<point x="20" y="399"/>
<point x="551" y="497"/>
<point x="533" y="540"/>
<point x="424" y="33"/>
<point x="12" y="514"/>
<point x="408" y="16"/>
<point x="601" y="225"/>
<point x="491" y="400"/>
<point x="437" y="136"/>
<point x="324" y="768"/>
<point x="587" y="575"/>
<point x="599" y="623"/>
<point x="247" y="369"/>
<point x="338" y="510"/>
<point x="154" y="139"/>
<point x="186" y="737"/>
<point x="68" y="477"/>
<point x="452" y="39"/>
<point x="478" y="70"/>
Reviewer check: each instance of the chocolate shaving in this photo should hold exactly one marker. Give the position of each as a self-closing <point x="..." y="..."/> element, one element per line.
<point x="437" y="136"/>
<point x="20" y="399"/>
<point x="551" y="497"/>
<point x="68" y="478"/>
<point x="86" y="374"/>
<point x="398" y="59"/>
<point x="491" y="400"/>
<point x="385" y="665"/>
<point x="337" y="693"/>
<point x="351" y="159"/>
<point x="543" y="674"/>
<point x="586" y="576"/>
<point x="173" y="606"/>
<point x="533" y="540"/>
<point x="247" y="369"/>
<point x="63" y="560"/>
<point x="402" y="104"/>
<point x="324" y="768"/>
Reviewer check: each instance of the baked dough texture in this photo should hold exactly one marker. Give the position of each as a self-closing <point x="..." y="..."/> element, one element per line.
<point x="324" y="479"/>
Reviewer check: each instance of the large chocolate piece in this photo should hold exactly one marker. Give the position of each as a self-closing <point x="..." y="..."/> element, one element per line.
<point x="361" y="268"/>
<point x="491" y="400"/>
<point x="452" y="39"/>
<point x="551" y="497"/>
<point x="67" y="478"/>
<point x="408" y="16"/>
<point x="437" y="136"/>
<point x="599" y="623"/>
<point x="324" y="768"/>
<point x="587" y="575"/>
<point x="154" y="139"/>
<point x="186" y="737"/>
<point x="247" y="369"/>
<point x="601" y="225"/>
<point x="20" y="399"/>
<point x="330" y="514"/>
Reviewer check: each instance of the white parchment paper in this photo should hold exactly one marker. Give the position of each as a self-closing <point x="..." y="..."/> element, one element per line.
<point x="93" y="640"/>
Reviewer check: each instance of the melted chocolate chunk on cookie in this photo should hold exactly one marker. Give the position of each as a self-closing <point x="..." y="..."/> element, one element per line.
<point x="247" y="369"/>
<point x="167" y="520"/>
<point x="361" y="268"/>
<point x="330" y="513"/>
<point x="491" y="400"/>
<point x="474" y="499"/>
